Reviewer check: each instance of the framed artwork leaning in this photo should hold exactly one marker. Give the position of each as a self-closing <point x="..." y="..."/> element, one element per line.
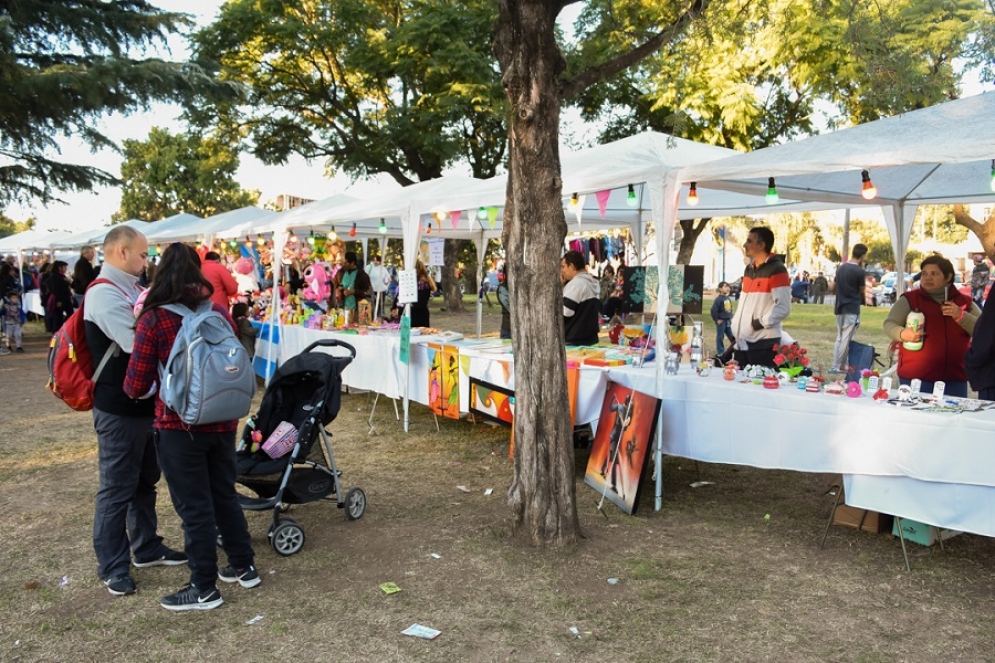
<point x="621" y="445"/>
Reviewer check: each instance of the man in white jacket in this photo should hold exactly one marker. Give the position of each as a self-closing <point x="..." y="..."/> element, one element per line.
<point x="580" y="301"/>
<point x="764" y="302"/>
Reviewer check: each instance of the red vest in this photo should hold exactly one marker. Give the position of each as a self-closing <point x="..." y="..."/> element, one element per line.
<point x="946" y="342"/>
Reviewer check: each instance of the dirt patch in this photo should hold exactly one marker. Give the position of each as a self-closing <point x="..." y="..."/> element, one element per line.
<point x="708" y="578"/>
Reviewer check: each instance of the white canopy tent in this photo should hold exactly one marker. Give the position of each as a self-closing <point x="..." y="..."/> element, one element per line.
<point x="178" y="223"/>
<point x="96" y="237"/>
<point x="191" y="229"/>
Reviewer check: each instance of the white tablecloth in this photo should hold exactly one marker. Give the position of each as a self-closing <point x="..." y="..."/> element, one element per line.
<point x="32" y="303"/>
<point x="938" y="468"/>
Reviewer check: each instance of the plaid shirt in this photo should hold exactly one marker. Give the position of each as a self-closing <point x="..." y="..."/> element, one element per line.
<point x="154" y="338"/>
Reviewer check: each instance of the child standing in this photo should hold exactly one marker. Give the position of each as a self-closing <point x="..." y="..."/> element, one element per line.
<point x="246" y="332"/>
<point x="13" y="317"/>
<point x="722" y="317"/>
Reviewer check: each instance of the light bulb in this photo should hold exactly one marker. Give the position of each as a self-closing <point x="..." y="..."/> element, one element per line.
<point x="693" y="194"/>
<point x="869" y="190"/>
<point x="248" y="242"/>
<point x="428" y="230"/>
<point x="993" y="174"/>
<point x="332" y="235"/>
<point x="310" y="238"/>
<point x="291" y="238"/>
<point x="260" y="240"/>
<point x="440" y="214"/>
<point x="383" y="226"/>
<point x="771" y="196"/>
<point x="352" y="231"/>
<point x="631" y="199"/>
<point x="574" y="202"/>
<point x="482" y="213"/>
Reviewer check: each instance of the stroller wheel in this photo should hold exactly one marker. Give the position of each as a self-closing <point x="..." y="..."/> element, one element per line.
<point x="355" y="504"/>
<point x="287" y="537"/>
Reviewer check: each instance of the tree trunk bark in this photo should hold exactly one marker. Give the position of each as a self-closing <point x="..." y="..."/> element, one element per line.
<point x="543" y="492"/>
<point x="985" y="231"/>
<point x="450" y="284"/>
<point x="691" y="232"/>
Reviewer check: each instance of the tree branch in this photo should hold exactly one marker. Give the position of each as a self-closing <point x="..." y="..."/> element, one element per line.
<point x="571" y="88"/>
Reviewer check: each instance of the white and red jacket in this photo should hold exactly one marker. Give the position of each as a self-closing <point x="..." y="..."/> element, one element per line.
<point x="765" y="301"/>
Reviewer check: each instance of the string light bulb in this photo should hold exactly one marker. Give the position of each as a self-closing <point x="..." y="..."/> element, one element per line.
<point x="332" y="235"/>
<point x="869" y="191"/>
<point x="574" y="202"/>
<point x="482" y="213"/>
<point x="771" y="196"/>
<point x="383" y="226"/>
<point x="993" y="174"/>
<point x="248" y="242"/>
<point x="352" y="231"/>
<point x="428" y="229"/>
<point x="291" y="238"/>
<point x="693" y="194"/>
<point x="260" y="240"/>
<point x="310" y="238"/>
<point x="631" y="199"/>
<point x="233" y="243"/>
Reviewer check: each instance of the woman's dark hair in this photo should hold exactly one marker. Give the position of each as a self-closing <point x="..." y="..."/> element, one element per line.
<point x="240" y="310"/>
<point x="178" y="279"/>
<point x="575" y="258"/>
<point x="59" y="264"/>
<point x="944" y="265"/>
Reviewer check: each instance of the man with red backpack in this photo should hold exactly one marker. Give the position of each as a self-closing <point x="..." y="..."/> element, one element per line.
<point x="125" y="520"/>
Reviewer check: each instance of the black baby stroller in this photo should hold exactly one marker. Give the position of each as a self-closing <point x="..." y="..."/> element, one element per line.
<point x="306" y="392"/>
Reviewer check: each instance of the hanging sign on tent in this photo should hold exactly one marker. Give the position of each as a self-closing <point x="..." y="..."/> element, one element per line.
<point x="436" y="252"/>
<point x="407" y="286"/>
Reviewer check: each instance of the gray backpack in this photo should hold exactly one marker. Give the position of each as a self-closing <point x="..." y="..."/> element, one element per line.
<point x="208" y="377"/>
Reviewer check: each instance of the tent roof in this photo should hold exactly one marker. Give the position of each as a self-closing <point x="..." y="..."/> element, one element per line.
<point x="178" y="223"/>
<point x="95" y="237"/>
<point x="239" y="221"/>
<point x="935" y="155"/>
<point x="28" y="239"/>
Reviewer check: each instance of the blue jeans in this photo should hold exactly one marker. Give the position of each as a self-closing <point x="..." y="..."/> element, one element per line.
<point x="723" y="330"/>
<point x="200" y="470"/>
<point x="124" y="516"/>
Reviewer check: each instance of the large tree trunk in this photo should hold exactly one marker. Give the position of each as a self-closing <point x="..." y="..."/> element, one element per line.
<point x="450" y="284"/>
<point x="691" y="232"/>
<point x="542" y="493"/>
<point x="985" y="231"/>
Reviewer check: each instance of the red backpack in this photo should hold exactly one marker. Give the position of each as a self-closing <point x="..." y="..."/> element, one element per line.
<point x="71" y="375"/>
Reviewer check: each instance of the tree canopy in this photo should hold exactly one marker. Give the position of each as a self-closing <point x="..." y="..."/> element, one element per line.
<point x="10" y="227"/>
<point x="169" y="174"/>
<point x="63" y="65"/>
<point x="370" y="86"/>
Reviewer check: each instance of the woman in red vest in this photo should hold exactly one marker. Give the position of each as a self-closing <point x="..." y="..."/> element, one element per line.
<point x="946" y="334"/>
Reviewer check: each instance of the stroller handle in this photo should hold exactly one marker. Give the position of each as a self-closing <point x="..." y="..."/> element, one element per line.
<point x="331" y="343"/>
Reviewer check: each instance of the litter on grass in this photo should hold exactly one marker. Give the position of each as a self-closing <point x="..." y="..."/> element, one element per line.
<point x="613" y="581"/>
<point x="699" y="484"/>
<point x="389" y="588"/>
<point x="488" y="491"/>
<point x="254" y="620"/>
<point x="419" y="631"/>
<point x="64" y="581"/>
<point x="436" y="556"/>
<point x="463" y="488"/>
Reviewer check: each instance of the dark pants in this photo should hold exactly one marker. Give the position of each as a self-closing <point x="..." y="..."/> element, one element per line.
<point x="987" y="394"/>
<point x="952" y="388"/>
<point x="125" y="505"/>
<point x="760" y="353"/>
<point x="723" y="330"/>
<point x="200" y="470"/>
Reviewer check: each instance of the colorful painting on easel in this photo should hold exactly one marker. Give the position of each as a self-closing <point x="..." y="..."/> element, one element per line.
<point x="492" y="402"/>
<point x="620" y="447"/>
<point x="443" y="380"/>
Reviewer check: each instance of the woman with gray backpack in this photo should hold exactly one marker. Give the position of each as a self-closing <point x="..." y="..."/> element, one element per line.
<point x="195" y="445"/>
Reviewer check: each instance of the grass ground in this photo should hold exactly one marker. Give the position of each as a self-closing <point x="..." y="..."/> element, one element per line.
<point x="707" y="579"/>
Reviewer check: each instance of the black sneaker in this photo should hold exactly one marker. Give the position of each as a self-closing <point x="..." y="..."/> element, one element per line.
<point x="121" y="585"/>
<point x="20" y="349"/>
<point x="169" y="557"/>
<point x="191" y="598"/>
<point x="247" y="577"/>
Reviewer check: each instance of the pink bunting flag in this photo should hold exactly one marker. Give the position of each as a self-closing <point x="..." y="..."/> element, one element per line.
<point x="602" y="197"/>
<point x="454" y="217"/>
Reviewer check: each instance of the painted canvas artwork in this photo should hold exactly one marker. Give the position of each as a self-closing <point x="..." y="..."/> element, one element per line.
<point x="621" y="444"/>
<point x="443" y="380"/>
<point x="492" y="402"/>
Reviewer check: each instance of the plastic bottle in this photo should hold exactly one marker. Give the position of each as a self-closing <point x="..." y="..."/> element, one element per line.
<point x="915" y="322"/>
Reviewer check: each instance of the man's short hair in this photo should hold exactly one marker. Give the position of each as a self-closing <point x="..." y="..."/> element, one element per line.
<point x="576" y="259"/>
<point x="350" y="257"/>
<point x="722" y="284"/>
<point x="212" y="255"/>
<point x="859" y="251"/>
<point x="765" y="235"/>
<point x="85" y="249"/>
<point x="118" y="235"/>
